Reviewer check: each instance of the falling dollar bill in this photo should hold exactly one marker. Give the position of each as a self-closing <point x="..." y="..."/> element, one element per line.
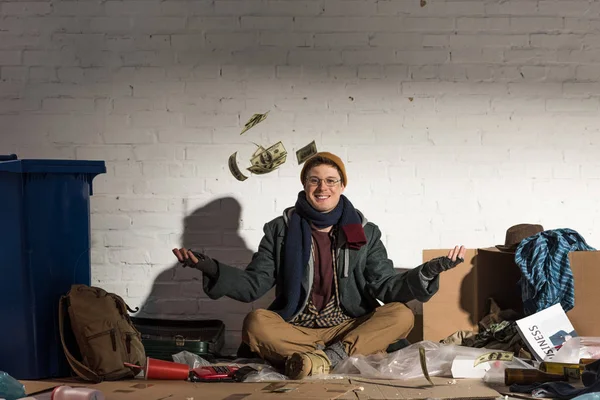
<point x="268" y="159"/>
<point x="271" y="165"/>
<point x="233" y="167"/>
<point x="307" y="151"/>
<point x="259" y="170"/>
<point x="423" y="361"/>
<point x="253" y="121"/>
<point x="259" y="150"/>
<point x="279" y="161"/>
<point x="494" y="356"/>
<point x="255" y="169"/>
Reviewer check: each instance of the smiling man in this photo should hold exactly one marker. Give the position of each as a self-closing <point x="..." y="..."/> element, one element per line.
<point x="330" y="268"/>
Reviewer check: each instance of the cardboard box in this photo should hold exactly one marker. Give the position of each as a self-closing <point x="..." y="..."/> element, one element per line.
<point x="461" y="301"/>
<point x="586" y="273"/>
<point x="418" y="388"/>
<point x="139" y="389"/>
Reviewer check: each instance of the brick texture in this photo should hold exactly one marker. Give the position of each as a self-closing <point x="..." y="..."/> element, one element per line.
<point x="457" y="119"/>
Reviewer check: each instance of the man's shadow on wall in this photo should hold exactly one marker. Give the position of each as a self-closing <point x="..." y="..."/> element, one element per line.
<point x="177" y="292"/>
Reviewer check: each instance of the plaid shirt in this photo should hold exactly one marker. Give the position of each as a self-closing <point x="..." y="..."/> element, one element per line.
<point x="331" y="315"/>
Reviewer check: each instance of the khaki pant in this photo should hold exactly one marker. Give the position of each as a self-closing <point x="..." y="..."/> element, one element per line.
<point x="267" y="334"/>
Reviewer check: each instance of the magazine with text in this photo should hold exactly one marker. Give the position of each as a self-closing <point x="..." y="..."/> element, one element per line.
<point x="546" y="331"/>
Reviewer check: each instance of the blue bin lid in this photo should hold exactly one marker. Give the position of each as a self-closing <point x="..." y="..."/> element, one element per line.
<point x="52" y="166"/>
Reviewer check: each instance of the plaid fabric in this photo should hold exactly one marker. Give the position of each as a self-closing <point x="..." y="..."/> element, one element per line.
<point x="544" y="262"/>
<point x="331" y="315"/>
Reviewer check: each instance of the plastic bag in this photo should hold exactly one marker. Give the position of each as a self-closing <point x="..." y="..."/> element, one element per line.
<point x="496" y="372"/>
<point x="264" y="373"/>
<point x="576" y="348"/>
<point x="405" y="364"/>
<point x="10" y="388"/>
<point x="264" y="370"/>
<point x="191" y="359"/>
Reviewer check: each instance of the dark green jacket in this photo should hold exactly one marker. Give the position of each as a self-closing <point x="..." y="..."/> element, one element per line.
<point x="364" y="275"/>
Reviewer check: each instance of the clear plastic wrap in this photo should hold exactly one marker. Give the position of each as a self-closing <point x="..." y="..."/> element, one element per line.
<point x="496" y="372"/>
<point x="402" y="364"/>
<point x="578" y="347"/>
<point x="405" y="364"/>
<point x="191" y="359"/>
<point x="264" y="373"/>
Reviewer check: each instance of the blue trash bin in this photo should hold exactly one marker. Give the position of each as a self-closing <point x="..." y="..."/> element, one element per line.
<point x="44" y="249"/>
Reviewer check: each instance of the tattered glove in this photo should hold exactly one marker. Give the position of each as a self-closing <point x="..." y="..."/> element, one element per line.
<point x="204" y="264"/>
<point x="194" y="259"/>
<point x="436" y="266"/>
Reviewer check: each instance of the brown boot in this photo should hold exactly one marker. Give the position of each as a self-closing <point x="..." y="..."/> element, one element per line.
<point x="301" y="365"/>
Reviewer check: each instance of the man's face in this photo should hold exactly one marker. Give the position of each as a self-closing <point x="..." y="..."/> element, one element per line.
<point x="322" y="197"/>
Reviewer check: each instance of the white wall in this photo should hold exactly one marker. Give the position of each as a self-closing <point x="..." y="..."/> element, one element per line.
<point x="456" y="120"/>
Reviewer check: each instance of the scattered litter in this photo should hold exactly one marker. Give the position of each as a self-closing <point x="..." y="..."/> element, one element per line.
<point x="452" y="382"/>
<point x="359" y="389"/>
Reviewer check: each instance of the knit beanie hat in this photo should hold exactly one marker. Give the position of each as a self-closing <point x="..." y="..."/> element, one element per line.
<point x="332" y="157"/>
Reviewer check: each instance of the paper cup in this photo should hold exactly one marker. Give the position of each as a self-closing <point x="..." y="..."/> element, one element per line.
<point x="76" y="393"/>
<point x="160" y="369"/>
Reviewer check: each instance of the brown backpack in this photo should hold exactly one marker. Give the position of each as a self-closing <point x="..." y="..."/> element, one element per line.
<point x="104" y="333"/>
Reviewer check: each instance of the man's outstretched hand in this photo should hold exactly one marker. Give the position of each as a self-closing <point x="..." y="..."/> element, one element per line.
<point x="456" y="253"/>
<point x="438" y="265"/>
<point x="193" y="259"/>
<point x="187" y="258"/>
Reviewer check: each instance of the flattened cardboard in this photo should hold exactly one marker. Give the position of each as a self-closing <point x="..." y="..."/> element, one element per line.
<point x="32" y="387"/>
<point x="445" y="388"/>
<point x="137" y="389"/>
<point x="302" y="390"/>
<point x="489" y="273"/>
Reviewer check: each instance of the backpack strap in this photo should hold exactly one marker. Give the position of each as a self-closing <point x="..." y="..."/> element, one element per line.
<point x="122" y="305"/>
<point x="81" y="370"/>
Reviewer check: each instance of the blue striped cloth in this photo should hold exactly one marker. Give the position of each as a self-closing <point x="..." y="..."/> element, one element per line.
<point x="547" y="278"/>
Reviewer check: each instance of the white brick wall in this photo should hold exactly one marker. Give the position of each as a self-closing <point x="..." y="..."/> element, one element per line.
<point x="457" y="120"/>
